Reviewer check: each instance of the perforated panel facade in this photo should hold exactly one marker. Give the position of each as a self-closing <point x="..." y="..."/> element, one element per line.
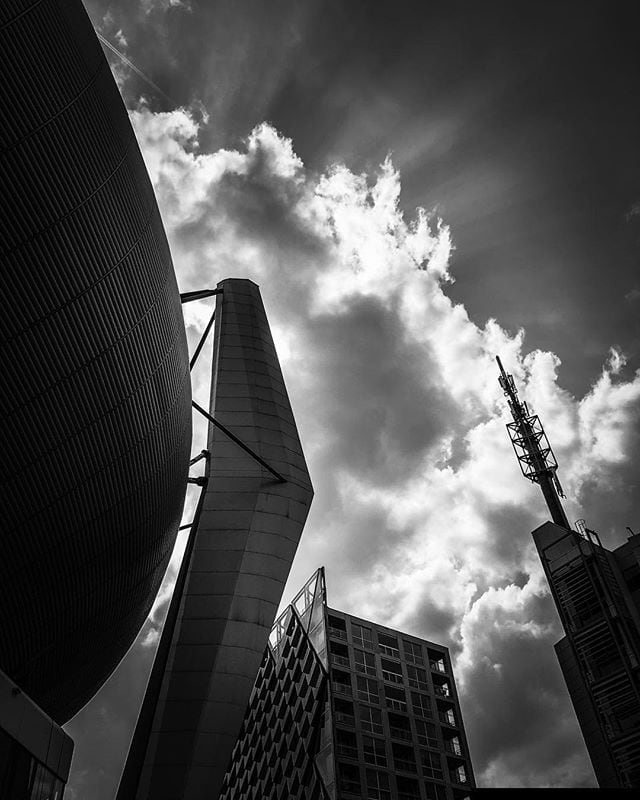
<point x="95" y="403"/>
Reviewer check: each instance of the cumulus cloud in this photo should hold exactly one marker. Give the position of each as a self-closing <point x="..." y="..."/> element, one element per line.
<point x="421" y="515"/>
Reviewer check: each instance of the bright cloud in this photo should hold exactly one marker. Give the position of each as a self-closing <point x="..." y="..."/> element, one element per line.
<point x="421" y="515"/>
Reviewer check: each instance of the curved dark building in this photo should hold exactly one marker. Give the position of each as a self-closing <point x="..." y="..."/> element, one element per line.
<point x="95" y="392"/>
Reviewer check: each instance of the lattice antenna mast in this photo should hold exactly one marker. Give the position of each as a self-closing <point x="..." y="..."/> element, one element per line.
<point x="532" y="449"/>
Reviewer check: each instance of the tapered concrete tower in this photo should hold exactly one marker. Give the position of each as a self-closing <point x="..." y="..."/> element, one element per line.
<point x="245" y="534"/>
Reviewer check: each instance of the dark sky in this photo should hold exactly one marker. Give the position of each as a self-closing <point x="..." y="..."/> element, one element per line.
<point x="517" y="125"/>
<point x="519" y="121"/>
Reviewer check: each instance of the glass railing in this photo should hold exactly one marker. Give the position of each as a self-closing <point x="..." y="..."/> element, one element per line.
<point x="347" y="750"/>
<point x="401" y="733"/>
<point x="337" y="633"/>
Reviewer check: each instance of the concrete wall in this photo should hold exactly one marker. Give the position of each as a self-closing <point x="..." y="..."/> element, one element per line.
<point x="247" y="533"/>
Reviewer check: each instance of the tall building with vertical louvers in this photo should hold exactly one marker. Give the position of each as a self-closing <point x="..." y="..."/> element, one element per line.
<point x="597" y="595"/>
<point x="345" y="709"/>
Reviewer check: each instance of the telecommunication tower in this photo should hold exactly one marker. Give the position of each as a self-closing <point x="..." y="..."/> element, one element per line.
<point x="532" y="449"/>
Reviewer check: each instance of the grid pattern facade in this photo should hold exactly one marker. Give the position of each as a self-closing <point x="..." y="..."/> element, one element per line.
<point x="95" y="403"/>
<point x="275" y="756"/>
<point x="601" y="657"/>
<point x="397" y="720"/>
<point x="388" y="726"/>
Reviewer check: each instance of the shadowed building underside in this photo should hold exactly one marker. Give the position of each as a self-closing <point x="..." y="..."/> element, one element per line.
<point x="95" y="417"/>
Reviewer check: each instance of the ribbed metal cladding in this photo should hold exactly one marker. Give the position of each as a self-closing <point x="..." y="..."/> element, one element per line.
<point x="95" y="393"/>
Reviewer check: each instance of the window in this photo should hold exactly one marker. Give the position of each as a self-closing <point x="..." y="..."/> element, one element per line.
<point x="408" y="788"/>
<point x="395" y="698"/>
<point x="346" y="745"/>
<point x="367" y="689"/>
<point x="436" y="661"/>
<point x="448" y="716"/>
<point x="349" y="779"/>
<point x="403" y="757"/>
<point x="431" y="764"/>
<point x="341" y="682"/>
<point x="413" y="652"/>
<point x="459" y="774"/>
<point x="453" y="746"/>
<point x="435" y="791"/>
<point x="365" y="662"/>
<point x="361" y="636"/>
<point x="339" y="654"/>
<point x="391" y="671"/>
<point x="374" y="751"/>
<point x="388" y="645"/>
<point x="344" y="712"/>
<point x="377" y="785"/>
<point x="399" y="727"/>
<point x="337" y="628"/>
<point x="441" y="687"/>
<point x="421" y="704"/>
<point x="371" y="719"/>
<point x="417" y="678"/>
<point x="427" y="734"/>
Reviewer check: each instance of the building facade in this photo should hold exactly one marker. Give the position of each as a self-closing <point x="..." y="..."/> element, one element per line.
<point x="344" y="709"/>
<point x="95" y="404"/>
<point x="250" y="517"/>
<point x="597" y="594"/>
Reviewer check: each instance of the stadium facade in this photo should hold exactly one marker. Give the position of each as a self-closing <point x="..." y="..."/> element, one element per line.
<point x="95" y="405"/>
<point x="344" y="708"/>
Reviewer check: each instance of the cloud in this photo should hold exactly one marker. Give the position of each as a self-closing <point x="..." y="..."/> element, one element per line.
<point x="421" y="515"/>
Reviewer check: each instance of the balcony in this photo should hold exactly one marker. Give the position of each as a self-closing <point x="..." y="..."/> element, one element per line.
<point x="345" y="719"/>
<point x="442" y="690"/>
<point x="337" y="633"/>
<point x="341" y="661"/>
<point x="342" y="688"/>
<point x="437" y="666"/>
<point x="448" y="717"/>
<point x="401" y="733"/>
<point x="459" y="775"/>
<point x="454" y="747"/>
<point x="391" y="677"/>
<point x="347" y="750"/>
<point x="405" y="764"/>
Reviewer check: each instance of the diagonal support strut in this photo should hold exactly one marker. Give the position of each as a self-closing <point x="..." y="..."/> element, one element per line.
<point x="239" y="442"/>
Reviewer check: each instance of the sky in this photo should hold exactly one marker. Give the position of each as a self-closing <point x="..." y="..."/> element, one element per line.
<point x="416" y="187"/>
